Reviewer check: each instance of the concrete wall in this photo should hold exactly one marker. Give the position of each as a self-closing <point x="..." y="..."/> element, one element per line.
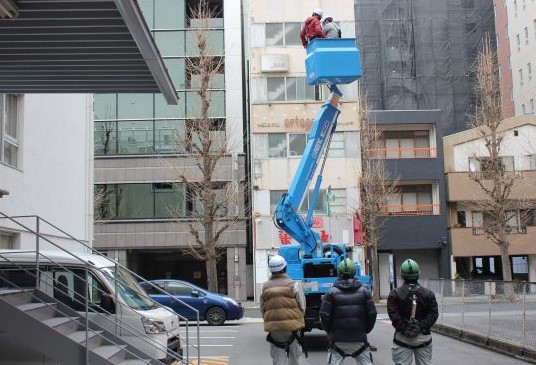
<point x="55" y="176"/>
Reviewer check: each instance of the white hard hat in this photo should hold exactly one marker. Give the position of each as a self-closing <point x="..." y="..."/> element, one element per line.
<point x="318" y="12"/>
<point x="277" y="263"/>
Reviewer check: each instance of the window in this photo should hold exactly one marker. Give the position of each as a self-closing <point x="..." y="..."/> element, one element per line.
<point x="497" y="40"/>
<point x="405" y="144"/>
<point x="462" y="222"/>
<point x="529" y="71"/>
<point x="321" y="201"/>
<point x="336" y="199"/>
<point x="296" y="144"/>
<point x="7" y="241"/>
<point x="532" y="106"/>
<point x="283" y="145"/>
<point x="195" y="205"/>
<point x="515" y="7"/>
<point x="500" y="71"/>
<point x="518" y="41"/>
<point x="216" y="8"/>
<point x="275" y="196"/>
<point x="132" y="201"/>
<point x="411" y="200"/>
<point x="527" y="217"/>
<point x="277" y="145"/>
<point x="9" y="133"/>
<point x="488" y="222"/>
<point x="523" y="109"/>
<point x="521" y="77"/>
<point x="290" y="88"/>
<point x="509" y="63"/>
<point x="506" y="31"/>
<point x="282" y="34"/>
<point x="337" y="146"/>
<point x="179" y="289"/>
<point x="526" y="35"/>
<point x="483" y="167"/>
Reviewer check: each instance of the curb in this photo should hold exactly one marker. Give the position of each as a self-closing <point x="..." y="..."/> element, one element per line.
<point x="493" y="344"/>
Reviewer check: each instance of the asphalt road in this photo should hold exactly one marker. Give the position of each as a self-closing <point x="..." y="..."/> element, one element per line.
<point x="244" y="343"/>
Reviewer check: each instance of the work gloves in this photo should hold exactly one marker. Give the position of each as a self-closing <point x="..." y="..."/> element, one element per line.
<point x="412" y="329"/>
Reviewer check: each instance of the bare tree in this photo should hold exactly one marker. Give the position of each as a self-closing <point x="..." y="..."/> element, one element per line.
<point x="376" y="186"/>
<point x="495" y="179"/>
<point x="214" y="205"/>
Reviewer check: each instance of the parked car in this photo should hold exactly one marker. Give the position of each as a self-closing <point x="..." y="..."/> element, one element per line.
<point x="213" y="308"/>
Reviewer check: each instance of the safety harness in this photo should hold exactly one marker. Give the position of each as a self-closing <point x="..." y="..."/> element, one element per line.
<point x="356" y="353"/>
<point x="286" y="344"/>
<point x="412" y="294"/>
<point x="400" y="343"/>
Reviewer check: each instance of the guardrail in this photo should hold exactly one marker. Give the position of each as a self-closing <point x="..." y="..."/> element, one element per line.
<point x="409" y="152"/>
<point x="409" y="209"/>
<point x="499" y="310"/>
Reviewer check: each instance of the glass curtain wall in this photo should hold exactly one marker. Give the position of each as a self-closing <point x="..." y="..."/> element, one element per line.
<point x="139" y="124"/>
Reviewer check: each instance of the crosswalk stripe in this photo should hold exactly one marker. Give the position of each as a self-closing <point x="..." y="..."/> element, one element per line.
<point x="211" y="360"/>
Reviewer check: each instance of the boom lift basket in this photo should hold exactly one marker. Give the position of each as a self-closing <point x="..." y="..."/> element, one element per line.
<point x="332" y="61"/>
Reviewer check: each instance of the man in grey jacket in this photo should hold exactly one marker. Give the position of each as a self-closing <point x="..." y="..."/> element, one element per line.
<point x="330" y="29"/>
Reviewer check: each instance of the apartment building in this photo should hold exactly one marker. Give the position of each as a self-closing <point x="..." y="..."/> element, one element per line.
<point x="504" y="59"/>
<point x="283" y="108"/>
<point x="415" y="215"/>
<point x="418" y="55"/>
<point x="475" y="255"/>
<point x="148" y="209"/>
<point x="522" y="31"/>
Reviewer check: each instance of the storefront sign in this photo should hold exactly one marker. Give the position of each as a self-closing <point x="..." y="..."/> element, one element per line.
<point x="274" y="63"/>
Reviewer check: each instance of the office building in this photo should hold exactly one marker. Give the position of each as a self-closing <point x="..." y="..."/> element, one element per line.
<point x="148" y="209"/>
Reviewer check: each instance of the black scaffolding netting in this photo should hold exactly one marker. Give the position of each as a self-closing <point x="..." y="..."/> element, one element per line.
<point x="421" y="54"/>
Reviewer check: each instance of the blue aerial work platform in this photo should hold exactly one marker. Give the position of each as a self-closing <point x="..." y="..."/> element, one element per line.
<point x="332" y="61"/>
<point x="328" y="62"/>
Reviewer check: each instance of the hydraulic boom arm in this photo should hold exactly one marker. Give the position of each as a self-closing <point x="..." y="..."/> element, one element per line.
<point x="286" y="215"/>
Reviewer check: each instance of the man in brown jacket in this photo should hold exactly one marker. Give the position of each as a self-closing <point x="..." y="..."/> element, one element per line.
<point x="283" y="307"/>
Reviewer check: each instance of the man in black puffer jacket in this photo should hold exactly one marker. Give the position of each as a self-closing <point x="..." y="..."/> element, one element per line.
<point x="348" y="314"/>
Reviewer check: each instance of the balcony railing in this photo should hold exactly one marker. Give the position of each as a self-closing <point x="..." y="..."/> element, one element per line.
<point x="509" y="230"/>
<point x="410" y="152"/>
<point x="410" y="209"/>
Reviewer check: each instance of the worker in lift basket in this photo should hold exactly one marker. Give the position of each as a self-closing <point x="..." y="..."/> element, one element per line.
<point x="413" y="311"/>
<point x="283" y="308"/>
<point x="348" y="314"/>
<point x="330" y="29"/>
<point x="311" y="28"/>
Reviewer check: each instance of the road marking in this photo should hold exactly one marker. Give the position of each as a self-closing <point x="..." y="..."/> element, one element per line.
<point x="211" y="360"/>
<point x="207" y="345"/>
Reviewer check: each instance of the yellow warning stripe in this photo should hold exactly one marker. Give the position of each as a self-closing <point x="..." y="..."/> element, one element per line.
<point x="215" y="360"/>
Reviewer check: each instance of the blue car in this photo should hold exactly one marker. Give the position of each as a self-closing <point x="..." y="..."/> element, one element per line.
<point x="213" y="308"/>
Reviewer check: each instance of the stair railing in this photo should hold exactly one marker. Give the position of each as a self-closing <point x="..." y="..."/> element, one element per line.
<point x="84" y="322"/>
<point x="40" y="236"/>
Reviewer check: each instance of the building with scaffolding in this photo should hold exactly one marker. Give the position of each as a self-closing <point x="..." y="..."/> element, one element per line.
<point x="420" y="55"/>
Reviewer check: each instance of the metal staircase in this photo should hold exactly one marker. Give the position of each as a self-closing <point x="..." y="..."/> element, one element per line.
<point x="73" y="328"/>
<point x="60" y="333"/>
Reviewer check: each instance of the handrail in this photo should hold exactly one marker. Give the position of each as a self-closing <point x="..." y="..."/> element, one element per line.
<point x="59" y="310"/>
<point x="403" y="152"/>
<point x="93" y="251"/>
<point x="409" y="209"/>
<point x="129" y="328"/>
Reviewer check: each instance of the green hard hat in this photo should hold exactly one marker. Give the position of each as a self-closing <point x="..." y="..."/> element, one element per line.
<point x="409" y="270"/>
<point x="346" y="268"/>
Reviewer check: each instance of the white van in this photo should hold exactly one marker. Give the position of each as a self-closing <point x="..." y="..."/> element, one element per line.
<point x="136" y="318"/>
